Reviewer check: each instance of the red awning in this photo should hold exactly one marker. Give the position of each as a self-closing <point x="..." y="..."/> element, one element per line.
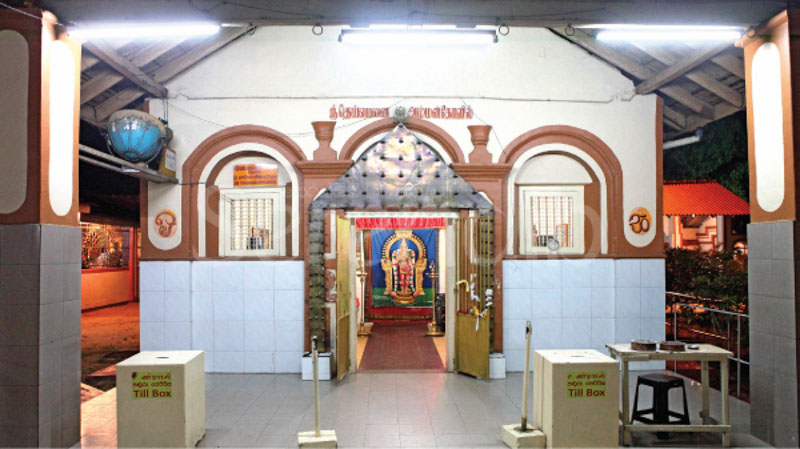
<point x="701" y="198"/>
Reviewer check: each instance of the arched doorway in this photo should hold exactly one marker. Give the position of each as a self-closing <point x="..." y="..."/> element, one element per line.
<point x="403" y="177"/>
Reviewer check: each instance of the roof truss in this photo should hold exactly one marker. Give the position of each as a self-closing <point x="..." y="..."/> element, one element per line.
<point x="116" y="76"/>
<point x="698" y="84"/>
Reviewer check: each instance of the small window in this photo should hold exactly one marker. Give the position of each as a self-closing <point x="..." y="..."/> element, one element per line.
<point x="552" y="220"/>
<point x="252" y="222"/>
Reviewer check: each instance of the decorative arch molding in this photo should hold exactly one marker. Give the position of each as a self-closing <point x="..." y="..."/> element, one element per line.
<point x="383" y="126"/>
<point x="204" y="160"/>
<point x="594" y="148"/>
<point x="217" y="142"/>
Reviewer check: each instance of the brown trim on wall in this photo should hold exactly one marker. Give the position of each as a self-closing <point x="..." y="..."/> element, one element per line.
<point x="658" y="241"/>
<point x="592" y="206"/>
<point x="776" y="31"/>
<point x="194" y="165"/>
<point x="594" y="147"/>
<point x="212" y="221"/>
<point x="47" y="215"/>
<point x="213" y="209"/>
<point x="39" y="34"/>
<point x="192" y="170"/>
<point x="441" y="136"/>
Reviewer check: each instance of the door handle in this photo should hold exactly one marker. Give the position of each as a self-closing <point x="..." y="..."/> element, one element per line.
<point x="465" y="282"/>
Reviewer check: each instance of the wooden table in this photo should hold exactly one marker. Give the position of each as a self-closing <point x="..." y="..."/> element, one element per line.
<point x="704" y="354"/>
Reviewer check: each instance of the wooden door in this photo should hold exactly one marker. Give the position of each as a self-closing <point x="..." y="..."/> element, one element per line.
<point x="474" y="284"/>
<point x="343" y="294"/>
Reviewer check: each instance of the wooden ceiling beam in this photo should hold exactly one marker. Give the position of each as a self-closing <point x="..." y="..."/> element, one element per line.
<point x="152" y="51"/>
<point x="687" y="99"/>
<point x="672" y="125"/>
<point x="677" y="119"/>
<point x="721" y="110"/>
<point x="167" y="72"/>
<point x="88" y="115"/>
<point x="699" y="77"/>
<point x="126" y="68"/>
<point x="106" y="79"/>
<point x="88" y="61"/>
<point x="717" y="87"/>
<point x="117" y="102"/>
<point x="98" y="84"/>
<point x="679" y="68"/>
<point x="677" y="93"/>
<point x="730" y="63"/>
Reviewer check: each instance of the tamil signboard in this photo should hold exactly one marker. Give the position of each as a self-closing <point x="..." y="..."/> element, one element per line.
<point x="255" y="175"/>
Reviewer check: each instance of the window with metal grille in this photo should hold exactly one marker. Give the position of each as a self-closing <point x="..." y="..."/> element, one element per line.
<point x="252" y="222"/>
<point x="552" y="219"/>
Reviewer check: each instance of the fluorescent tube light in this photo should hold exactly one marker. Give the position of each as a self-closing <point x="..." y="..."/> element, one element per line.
<point x="669" y="33"/>
<point x="143" y="30"/>
<point x="417" y="37"/>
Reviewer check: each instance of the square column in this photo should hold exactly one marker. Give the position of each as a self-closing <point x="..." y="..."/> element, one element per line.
<point x="773" y="294"/>
<point x="40" y="241"/>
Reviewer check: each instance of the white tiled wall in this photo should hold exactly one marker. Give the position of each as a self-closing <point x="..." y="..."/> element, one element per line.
<point x="581" y="303"/>
<point x="246" y="316"/>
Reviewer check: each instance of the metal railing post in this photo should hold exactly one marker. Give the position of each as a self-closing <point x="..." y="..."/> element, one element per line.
<point x="729" y="333"/>
<point x="738" y="357"/>
<point x="675" y="332"/>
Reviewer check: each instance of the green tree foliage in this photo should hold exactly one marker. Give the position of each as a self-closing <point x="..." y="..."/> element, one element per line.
<point x="714" y="275"/>
<point x="720" y="155"/>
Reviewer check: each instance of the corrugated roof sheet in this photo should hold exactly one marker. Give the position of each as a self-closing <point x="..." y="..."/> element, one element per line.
<point x="701" y="198"/>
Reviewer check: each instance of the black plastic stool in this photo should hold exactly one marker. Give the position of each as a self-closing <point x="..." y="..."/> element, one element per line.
<point x="661" y="384"/>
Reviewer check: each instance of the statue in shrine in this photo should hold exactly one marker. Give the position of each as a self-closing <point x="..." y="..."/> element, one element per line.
<point x="404" y="268"/>
<point x="403" y="261"/>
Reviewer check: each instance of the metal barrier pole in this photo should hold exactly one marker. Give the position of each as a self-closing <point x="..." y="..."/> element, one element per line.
<point x="523" y="427"/>
<point x="315" y="362"/>
<point x="675" y="332"/>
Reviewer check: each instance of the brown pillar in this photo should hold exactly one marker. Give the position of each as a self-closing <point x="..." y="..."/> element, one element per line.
<point x="323" y="131"/>
<point x="773" y="235"/>
<point x="40" y="241"/>
<point x="479" y="135"/>
<point x="489" y="179"/>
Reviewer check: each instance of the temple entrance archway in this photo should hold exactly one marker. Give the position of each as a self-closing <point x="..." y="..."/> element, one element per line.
<point x="398" y="175"/>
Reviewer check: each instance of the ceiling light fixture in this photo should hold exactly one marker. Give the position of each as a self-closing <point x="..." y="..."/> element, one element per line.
<point x="418" y="36"/>
<point x="666" y="33"/>
<point x="143" y="30"/>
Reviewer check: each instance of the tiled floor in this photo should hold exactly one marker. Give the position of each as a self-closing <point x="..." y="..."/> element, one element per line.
<point x="373" y="410"/>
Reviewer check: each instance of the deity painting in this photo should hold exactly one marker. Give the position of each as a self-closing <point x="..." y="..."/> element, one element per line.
<point x="401" y="272"/>
<point x="401" y="260"/>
